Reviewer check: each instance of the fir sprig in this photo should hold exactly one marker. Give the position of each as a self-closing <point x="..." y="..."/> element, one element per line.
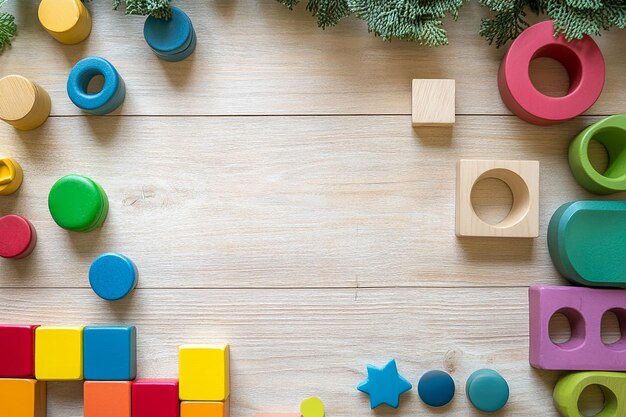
<point x="8" y="29"/>
<point x="157" y="8"/>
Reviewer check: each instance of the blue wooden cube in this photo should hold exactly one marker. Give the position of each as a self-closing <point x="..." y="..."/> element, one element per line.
<point x="110" y="353"/>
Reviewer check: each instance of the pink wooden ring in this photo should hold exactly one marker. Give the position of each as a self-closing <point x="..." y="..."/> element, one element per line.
<point x="582" y="59"/>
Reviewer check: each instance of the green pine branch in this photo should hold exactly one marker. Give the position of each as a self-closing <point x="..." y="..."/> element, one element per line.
<point x="328" y="12"/>
<point x="157" y="8"/>
<point x="8" y="29"/>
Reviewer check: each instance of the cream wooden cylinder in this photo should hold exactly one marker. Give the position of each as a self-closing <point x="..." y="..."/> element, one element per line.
<point x="24" y="104"/>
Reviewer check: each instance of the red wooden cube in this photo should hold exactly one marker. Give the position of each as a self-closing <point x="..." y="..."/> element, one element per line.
<point x="155" y="398"/>
<point x="17" y="351"/>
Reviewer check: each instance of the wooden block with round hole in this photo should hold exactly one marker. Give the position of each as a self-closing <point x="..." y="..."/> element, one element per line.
<point x="569" y="389"/>
<point x="522" y="177"/>
<point x="433" y="102"/>
<point x="584" y="308"/>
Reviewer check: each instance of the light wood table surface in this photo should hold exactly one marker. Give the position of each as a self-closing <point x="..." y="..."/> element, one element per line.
<point x="274" y="195"/>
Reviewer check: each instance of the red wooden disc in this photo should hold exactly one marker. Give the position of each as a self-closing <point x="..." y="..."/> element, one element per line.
<point x="17" y="237"/>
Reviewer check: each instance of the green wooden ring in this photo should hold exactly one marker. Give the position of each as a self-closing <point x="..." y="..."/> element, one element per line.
<point x="78" y="203"/>
<point x="610" y="132"/>
<point x="569" y="388"/>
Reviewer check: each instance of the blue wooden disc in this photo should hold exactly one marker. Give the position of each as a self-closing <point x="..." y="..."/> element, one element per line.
<point x="180" y="55"/>
<point x="487" y="390"/>
<point x="170" y="36"/>
<point x="436" y="388"/>
<point x="112" y="276"/>
<point x="106" y="100"/>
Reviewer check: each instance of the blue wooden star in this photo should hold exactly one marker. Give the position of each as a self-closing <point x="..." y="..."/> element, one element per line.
<point x="384" y="385"/>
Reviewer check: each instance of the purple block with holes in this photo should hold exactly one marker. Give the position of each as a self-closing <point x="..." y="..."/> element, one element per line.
<point x="584" y="309"/>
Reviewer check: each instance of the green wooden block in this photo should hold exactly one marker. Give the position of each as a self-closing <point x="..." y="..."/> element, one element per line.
<point x="587" y="242"/>
<point x="611" y="133"/>
<point x="569" y="388"/>
<point x="78" y="203"/>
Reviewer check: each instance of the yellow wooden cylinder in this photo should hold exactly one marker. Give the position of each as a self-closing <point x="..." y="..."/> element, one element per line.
<point x="24" y="104"/>
<point x="67" y="21"/>
<point x="11" y="176"/>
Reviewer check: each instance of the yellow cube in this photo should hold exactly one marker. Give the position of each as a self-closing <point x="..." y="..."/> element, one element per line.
<point x="204" y="372"/>
<point x="22" y="398"/>
<point x="59" y="353"/>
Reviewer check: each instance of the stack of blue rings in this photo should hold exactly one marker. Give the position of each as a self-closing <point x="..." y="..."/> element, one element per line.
<point x="106" y="100"/>
<point x="171" y="40"/>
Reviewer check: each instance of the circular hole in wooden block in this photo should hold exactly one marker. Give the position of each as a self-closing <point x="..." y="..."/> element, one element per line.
<point x="549" y="76"/>
<point x="567" y="328"/>
<point x="492" y="200"/>
<point x="598" y="156"/>
<point x="613" y="329"/>
<point x="95" y="85"/>
<point x="592" y="400"/>
<point x="520" y="196"/>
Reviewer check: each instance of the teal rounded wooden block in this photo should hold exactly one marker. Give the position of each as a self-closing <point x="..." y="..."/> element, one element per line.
<point x="587" y="242"/>
<point x="611" y="133"/>
<point x="487" y="390"/>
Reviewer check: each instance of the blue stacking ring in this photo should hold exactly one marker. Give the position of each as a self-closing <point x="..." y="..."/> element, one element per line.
<point x="113" y="90"/>
<point x="173" y="39"/>
<point x="112" y="276"/>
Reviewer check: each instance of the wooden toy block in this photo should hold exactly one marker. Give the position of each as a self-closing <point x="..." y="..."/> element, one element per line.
<point x="587" y="242"/>
<point x="67" y="21"/>
<point x="487" y="390"/>
<point x="522" y="177"/>
<point x="384" y="385"/>
<point x="312" y="407"/>
<point x="22" y="398"/>
<point x="11" y="176"/>
<point x="24" y="104"/>
<point x="611" y="133"/>
<point x="570" y="387"/>
<point x="155" y="398"/>
<point x="205" y="408"/>
<point x="112" y="276"/>
<point x="109" y="98"/>
<point x="581" y="58"/>
<point x="59" y="353"/>
<point x="78" y="203"/>
<point x="171" y="40"/>
<point x="18" y="237"/>
<point x="107" y="399"/>
<point x="204" y="372"/>
<point x="278" y="415"/>
<point x="584" y="308"/>
<point x="110" y="353"/>
<point x="433" y="102"/>
<point x="17" y="351"/>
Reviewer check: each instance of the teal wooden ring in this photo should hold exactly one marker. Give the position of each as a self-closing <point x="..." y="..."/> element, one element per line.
<point x="611" y="133"/>
<point x="106" y="100"/>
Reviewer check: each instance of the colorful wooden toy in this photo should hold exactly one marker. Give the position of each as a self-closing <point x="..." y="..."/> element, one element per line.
<point x="205" y="408"/>
<point x="584" y="308"/>
<point x="204" y="372"/>
<point x="78" y="203"/>
<point x="18" y="237"/>
<point x="278" y="415"/>
<point x="110" y="353"/>
<point x="155" y="398"/>
<point x="11" y="176"/>
<point x="22" y="398"/>
<point x="59" y="353"/>
<point x="569" y="388"/>
<point x="312" y="407"/>
<point x="112" y="276"/>
<point x="433" y="102"/>
<point x="581" y="58"/>
<point x="17" y="351"/>
<point x="24" y="104"/>
<point x="587" y="242"/>
<point x="173" y="39"/>
<point x="67" y="21"/>
<point x="487" y="390"/>
<point x="611" y="133"/>
<point x="436" y="388"/>
<point x="384" y="385"/>
<point x="106" y="100"/>
<point x="107" y="398"/>
<point x="522" y="177"/>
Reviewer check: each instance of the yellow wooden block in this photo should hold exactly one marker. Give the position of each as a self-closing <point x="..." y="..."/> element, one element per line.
<point x="68" y="21"/>
<point x="24" y="104"/>
<point x="59" y="353"/>
<point x="205" y="408"/>
<point x="10" y="176"/>
<point x="22" y="398"/>
<point x="433" y="102"/>
<point x="204" y="372"/>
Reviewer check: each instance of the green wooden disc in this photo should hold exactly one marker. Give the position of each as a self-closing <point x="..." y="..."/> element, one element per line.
<point x="78" y="203"/>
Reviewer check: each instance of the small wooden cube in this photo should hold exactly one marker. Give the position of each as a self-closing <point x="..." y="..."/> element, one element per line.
<point x="433" y="102"/>
<point x="522" y="177"/>
<point x="107" y="399"/>
<point x="22" y="398"/>
<point x="155" y="398"/>
<point x="59" y="353"/>
<point x="204" y="372"/>
<point x="205" y="408"/>
<point x="17" y="351"/>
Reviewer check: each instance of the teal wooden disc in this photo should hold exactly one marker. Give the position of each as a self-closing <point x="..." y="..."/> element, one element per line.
<point x="487" y="390"/>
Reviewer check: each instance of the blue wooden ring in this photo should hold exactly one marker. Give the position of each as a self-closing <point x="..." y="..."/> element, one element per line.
<point x="167" y="37"/>
<point x="181" y="55"/>
<point x="112" y="276"/>
<point x="105" y="101"/>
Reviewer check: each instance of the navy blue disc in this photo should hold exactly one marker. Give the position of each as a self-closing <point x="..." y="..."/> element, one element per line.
<point x="436" y="388"/>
